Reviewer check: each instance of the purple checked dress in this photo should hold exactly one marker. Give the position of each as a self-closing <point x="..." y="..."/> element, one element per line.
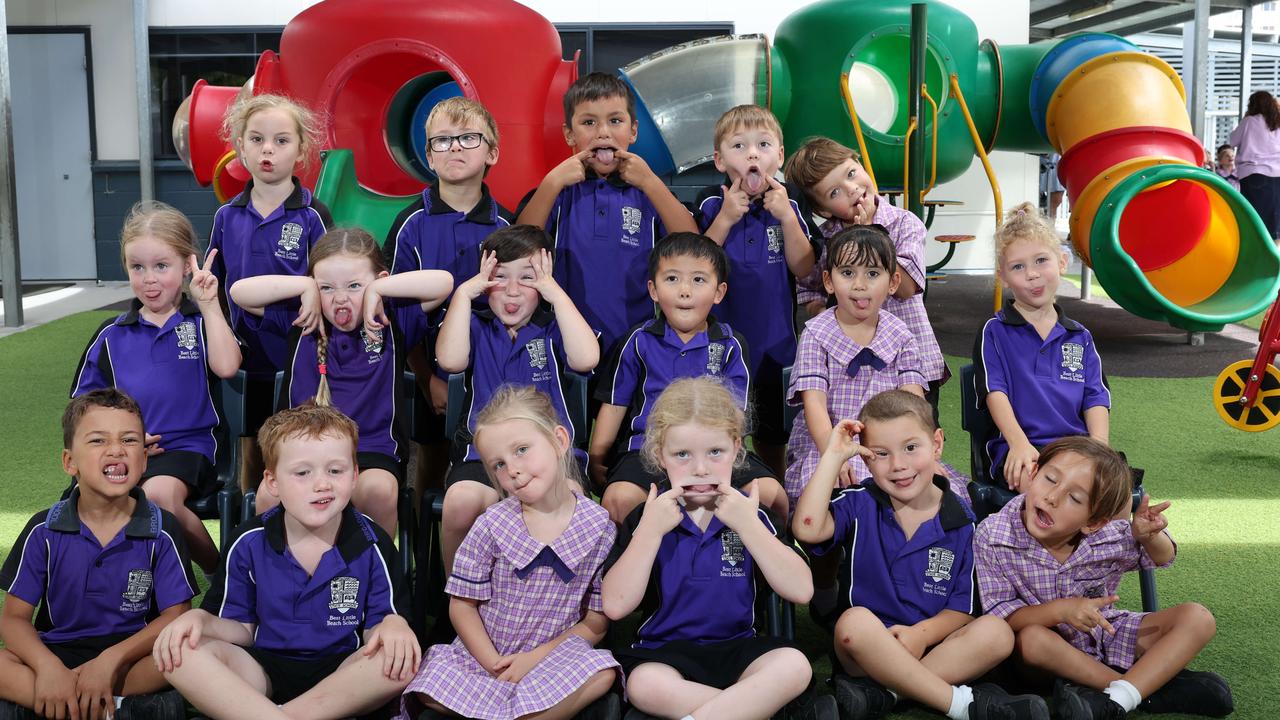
<point x="529" y="593"/>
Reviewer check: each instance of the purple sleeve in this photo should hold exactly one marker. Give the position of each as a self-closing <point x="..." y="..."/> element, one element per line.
<point x="595" y="601"/>
<point x="736" y="373"/>
<point x="404" y="256"/>
<point x="383" y="579"/>
<point x="236" y="596"/>
<point x="619" y="382"/>
<point x="1095" y="391"/>
<point x="171" y="570"/>
<point x="219" y="268"/>
<point x="472" y="575"/>
<point x="999" y="597"/>
<point x="24" y="572"/>
<point x="844" y="511"/>
<point x="908" y="237"/>
<point x="962" y="598"/>
<point x="991" y="370"/>
<point x="708" y="209"/>
<point x="95" y="371"/>
<point x="409" y="318"/>
<point x="810" y="369"/>
<point x="277" y="319"/>
<point x="910" y="367"/>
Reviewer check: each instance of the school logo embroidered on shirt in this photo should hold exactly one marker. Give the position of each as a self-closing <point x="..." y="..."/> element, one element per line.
<point x="537" y="350"/>
<point x="290" y="238"/>
<point x="1072" y="362"/>
<point x="732" y="555"/>
<point x="715" y="358"/>
<point x="774" y="232"/>
<point x="940" y="561"/>
<point x="630" y="220"/>
<point x="137" y="590"/>
<point x="186" y="334"/>
<point x="343" y="594"/>
<point x="372" y="341"/>
<point x="1093" y="592"/>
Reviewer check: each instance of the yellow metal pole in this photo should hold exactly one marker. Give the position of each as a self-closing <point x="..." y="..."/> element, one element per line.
<point x="986" y="165"/>
<point x="906" y="161"/>
<point x="857" y="127"/>
<point x="933" y="167"/>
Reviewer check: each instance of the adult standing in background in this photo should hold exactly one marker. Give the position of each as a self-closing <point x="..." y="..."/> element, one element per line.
<point x="1257" y="141"/>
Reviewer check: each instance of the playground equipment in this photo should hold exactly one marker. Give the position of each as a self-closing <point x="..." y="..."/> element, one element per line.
<point x="1166" y="239"/>
<point x="1247" y="393"/>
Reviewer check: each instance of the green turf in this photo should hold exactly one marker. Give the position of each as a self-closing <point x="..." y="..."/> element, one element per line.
<point x="1223" y="484"/>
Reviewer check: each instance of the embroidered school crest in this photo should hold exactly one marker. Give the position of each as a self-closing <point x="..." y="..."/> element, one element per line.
<point x="715" y="358"/>
<point x="537" y="350"/>
<point x="630" y="220"/>
<point x="186" y="332"/>
<point x="138" y="587"/>
<point x="372" y="341"/>
<point x="731" y="552"/>
<point x="290" y="237"/>
<point x="1073" y="357"/>
<point x="775" y="239"/>
<point x="1093" y="592"/>
<point x="343" y="594"/>
<point x="940" y="561"/>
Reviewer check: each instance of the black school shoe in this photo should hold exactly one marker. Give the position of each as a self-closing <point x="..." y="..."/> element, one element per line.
<point x="991" y="701"/>
<point x="638" y="714"/>
<point x="14" y="711"/>
<point x="605" y="707"/>
<point x="1076" y="702"/>
<point x="861" y="698"/>
<point x="809" y="705"/>
<point x="168" y="705"/>
<point x="1193" y="692"/>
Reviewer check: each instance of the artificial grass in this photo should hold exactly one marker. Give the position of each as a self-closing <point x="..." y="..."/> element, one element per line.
<point x="1222" y="483"/>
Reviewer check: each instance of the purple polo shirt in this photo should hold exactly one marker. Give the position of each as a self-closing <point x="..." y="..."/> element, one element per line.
<point x="356" y="585"/>
<point x="705" y="581"/>
<point x="431" y="235"/>
<point x="902" y="581"/>
<point x="534" y="357"/>
<point x="652" y="357"/>
<point x="364" y="376"/>
<point x="165" y="369"/>
<point x="1050" y="383"/>
<point x="84" y="590"/>
<point x="761" y="300"/>
<point x="249" y="245"/>
<point x="603" y="230"/>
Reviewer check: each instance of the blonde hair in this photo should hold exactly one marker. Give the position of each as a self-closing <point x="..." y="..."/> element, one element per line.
<point x="308" y="128"/>
<point x="746" y="116"/>
<point x="162" y="222"/>
<point x="1025" y="222"/>
<point x="814" y="160"/>
<point x="309" y="421"/>
<point x="1112" y="490"/>
<point x="526" y="402"/>
<point x="701" y="401"/>
<point x="340" y="241"/>
<point x="462" y="111"/>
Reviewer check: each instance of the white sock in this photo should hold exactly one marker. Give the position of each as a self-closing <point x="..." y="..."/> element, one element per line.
<point x="961" y="699"/>
<point x="1124" y="694"/>
<point x="687" y="717"/>
<point x="119" y="700"/>
<point x="824" y="599"/>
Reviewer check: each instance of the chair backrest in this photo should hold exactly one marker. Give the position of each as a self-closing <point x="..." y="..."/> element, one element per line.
<point x="789" y="411"/>
<point x="575" y="400"/>
<point x="986" y="496"/>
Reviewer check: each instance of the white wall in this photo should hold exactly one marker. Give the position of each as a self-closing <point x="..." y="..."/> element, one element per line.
<point x="116" y="113"/>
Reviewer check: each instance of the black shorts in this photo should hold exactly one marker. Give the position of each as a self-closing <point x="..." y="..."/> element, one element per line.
<point x="381" y="461"/>
<point x="716" y="665"/>
<point x="74" y="653"/>
<point x="630" y="468"/>
<point x="472" y="470"/>
<point x="769" y="403"/>
<point x="193" y="469"/>
<point x="291" y="677"/>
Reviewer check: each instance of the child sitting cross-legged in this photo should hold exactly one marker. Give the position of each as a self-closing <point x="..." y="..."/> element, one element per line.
<point x="1050" y="563"/>
<point x="907" y="579"/>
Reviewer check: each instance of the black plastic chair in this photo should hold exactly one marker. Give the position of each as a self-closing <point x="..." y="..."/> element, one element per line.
<point x="989" y="497"/>
<point x="223" y="502"/>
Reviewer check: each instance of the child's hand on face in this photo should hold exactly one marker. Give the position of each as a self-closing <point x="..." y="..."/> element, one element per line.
<point x="865" y="212"/>
<point x="842" y="442"/>
<point x="309" y="315"/>
<point x="776" y="200"/>
<point x="662" y="513"/>
<point x="480" y="283"/>
<point x="572" y="171"/>
<point x="543" y="281"/>
<point x="633" y="169"/>
<point x="1149" y="521"/>
<point x="733" y="508"/>
<point x="401" y="653"/>
<point x="1085" y="614"/>
<point x="1020" y="465"/>
<point x="204" y="284"/>
<point x="736" y="202"/>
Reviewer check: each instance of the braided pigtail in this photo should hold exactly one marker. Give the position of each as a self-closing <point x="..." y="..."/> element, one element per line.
<point x="323" y="399"/>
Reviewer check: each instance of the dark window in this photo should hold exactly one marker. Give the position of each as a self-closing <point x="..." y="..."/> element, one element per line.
<point x="180" y="57"/>
<point x="608" y="47"/>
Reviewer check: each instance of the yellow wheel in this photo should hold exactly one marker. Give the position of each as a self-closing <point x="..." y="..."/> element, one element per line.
<point x="1229" y="387"/>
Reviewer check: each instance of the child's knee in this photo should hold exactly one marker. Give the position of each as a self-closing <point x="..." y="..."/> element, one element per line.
<point x="853" y="624"/>
<point x="1199" y="619"/>
<point x="646" y="681"/>
<point x="166" y="491"/>
<point x="377" y="491"/>
<point x="463" y="503"/>
<point x="792" y="671"/>
<point x="990" y="632"/>
<point x="620" y="498"/>
<point x="1034" y="644"/>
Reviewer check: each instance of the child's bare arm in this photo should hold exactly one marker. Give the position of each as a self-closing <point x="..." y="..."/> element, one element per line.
<point x="224" y="350"/>
<point x="571" y="171"/>
<point x="254" y="294"/>
<point x="98" y="678"/>
<point x="784" y="570"/>
<point x="813" y="522"/>
<point x="20" y="637"/>
<point x="913" y="388"/>
<point x="608" y="423"/>
<point x="453" y="343"/>
<point x="624" y="585"/>
<point x="464" y="613"/>
<point x="581" y="349"/>
<point x="1148" y="527"/>
<point x="816" y="417"/>
<point x="929" y="632"/>
<point x="1097" y="420"/>
<point x="428" y="287"/>
<point x="1022" y="456"/>
<point x="636" y="172"/>
<point x="401" y="653"/>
